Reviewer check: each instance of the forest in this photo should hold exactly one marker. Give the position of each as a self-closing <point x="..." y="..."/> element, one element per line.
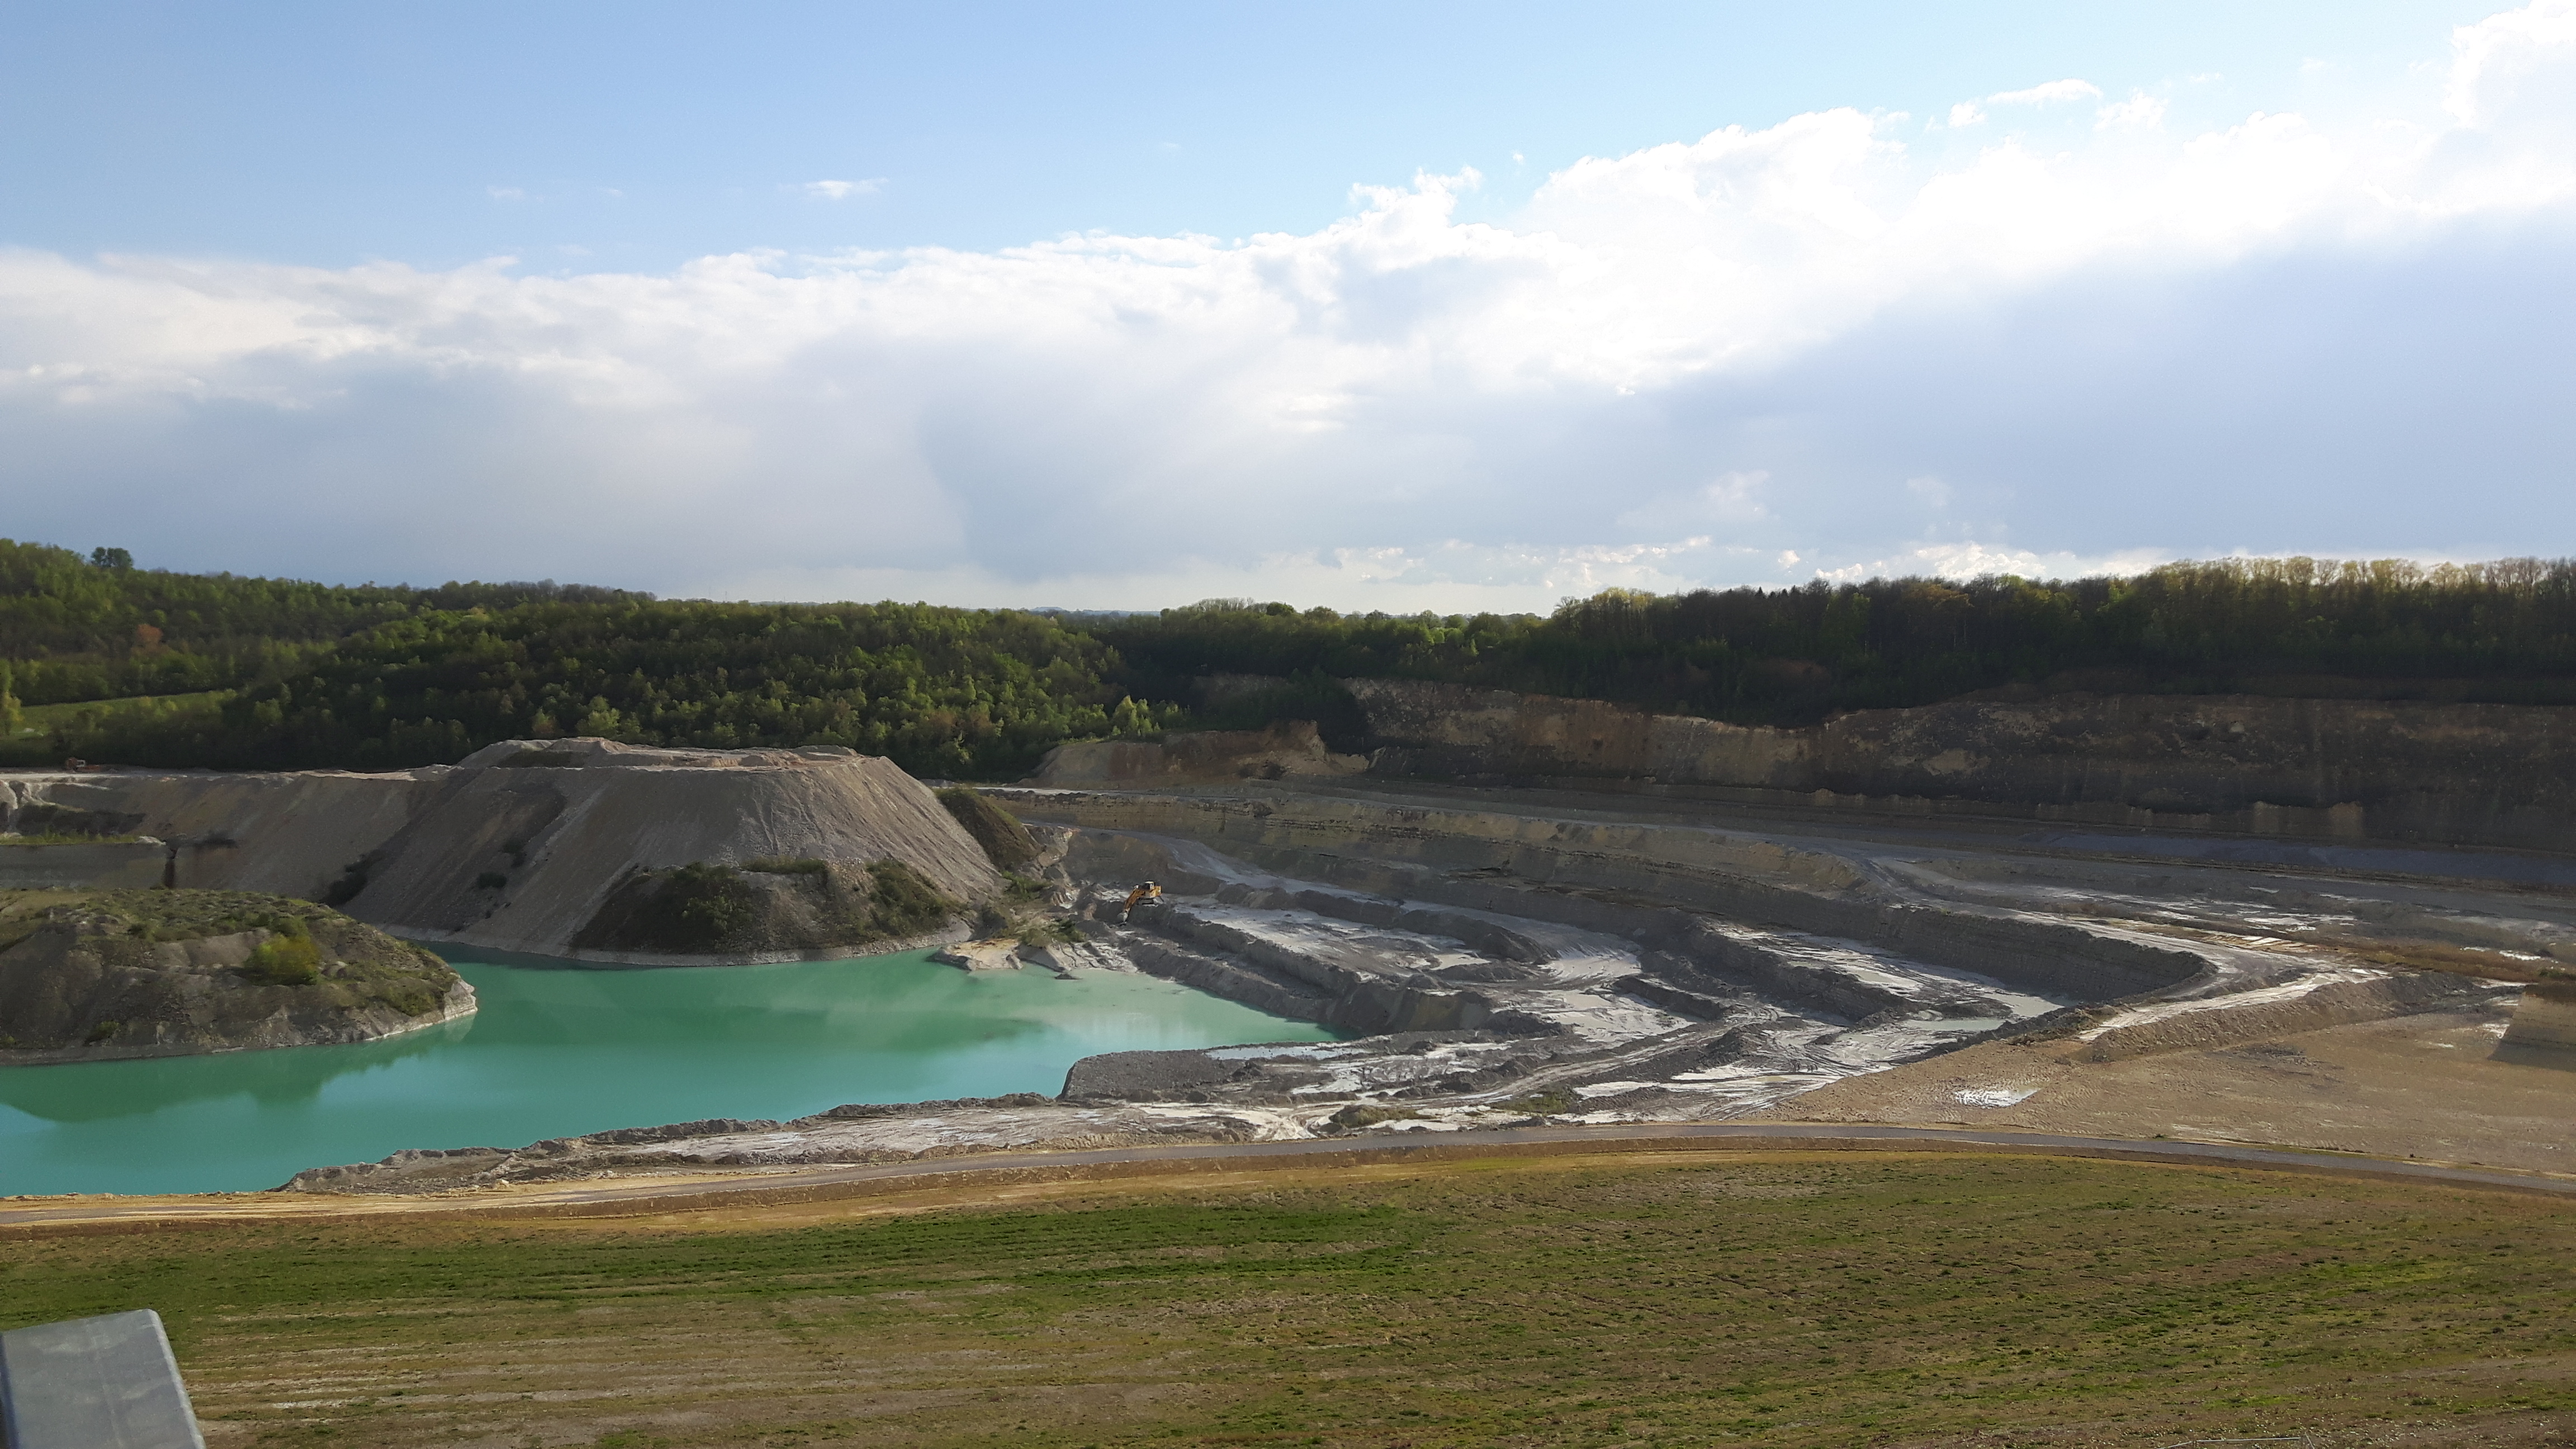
<point x="104" y="660"/>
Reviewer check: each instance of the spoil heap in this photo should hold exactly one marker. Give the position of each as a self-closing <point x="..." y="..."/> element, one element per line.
<point x="560" y="847"/>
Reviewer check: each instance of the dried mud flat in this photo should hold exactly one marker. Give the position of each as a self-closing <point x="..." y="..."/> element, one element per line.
<point x="2432" y="1087"/>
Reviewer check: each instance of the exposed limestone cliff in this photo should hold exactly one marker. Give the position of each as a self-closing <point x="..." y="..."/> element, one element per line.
<point x="174" y="973"/>
<point x="2483" y="774"/>
<point x="1291" y="747"/>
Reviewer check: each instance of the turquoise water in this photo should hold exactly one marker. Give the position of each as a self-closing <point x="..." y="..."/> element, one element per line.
<point x="557" y="1052"/>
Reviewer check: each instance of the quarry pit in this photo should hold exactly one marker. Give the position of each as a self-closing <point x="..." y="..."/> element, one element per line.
<point x="1506" y="957"/>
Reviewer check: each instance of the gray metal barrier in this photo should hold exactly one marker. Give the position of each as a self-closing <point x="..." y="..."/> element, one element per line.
<point x="94" y="1383"/>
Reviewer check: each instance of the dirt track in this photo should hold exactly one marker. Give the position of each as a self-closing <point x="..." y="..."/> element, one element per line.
<point x="692" y="1193"/>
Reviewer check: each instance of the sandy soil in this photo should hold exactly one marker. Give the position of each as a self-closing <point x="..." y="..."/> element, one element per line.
<point x="2433" y="1087"/>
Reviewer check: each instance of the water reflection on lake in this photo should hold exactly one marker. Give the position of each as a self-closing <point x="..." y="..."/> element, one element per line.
<point x="556" y="1052"/>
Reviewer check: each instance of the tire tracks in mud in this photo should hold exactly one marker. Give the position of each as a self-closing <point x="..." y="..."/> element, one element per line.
<point x="663" y="1196"/>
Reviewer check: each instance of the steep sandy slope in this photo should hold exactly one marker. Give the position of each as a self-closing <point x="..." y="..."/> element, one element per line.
<point x="522" y="843"/>
<point x="515" y="848"/>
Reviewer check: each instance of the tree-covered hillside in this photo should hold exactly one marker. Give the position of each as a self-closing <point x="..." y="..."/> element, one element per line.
<point x="2499" y="632"/>
<point x="74" y="629"/>
<point x="941" y="691"/>
<point x="279" y="674"/>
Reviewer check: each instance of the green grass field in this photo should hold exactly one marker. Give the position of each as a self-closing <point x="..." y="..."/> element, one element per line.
<point x="38" y="721"/>
<point x="1822" y="1299"/>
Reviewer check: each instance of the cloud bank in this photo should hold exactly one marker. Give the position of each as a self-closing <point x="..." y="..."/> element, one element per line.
<point x="2052" y="337"/>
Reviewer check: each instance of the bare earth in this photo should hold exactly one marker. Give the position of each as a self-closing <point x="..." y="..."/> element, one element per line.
<point x="2434" y="1087"/>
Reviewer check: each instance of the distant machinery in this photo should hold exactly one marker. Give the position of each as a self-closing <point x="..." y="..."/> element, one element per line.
<point x="1141" y="895"/>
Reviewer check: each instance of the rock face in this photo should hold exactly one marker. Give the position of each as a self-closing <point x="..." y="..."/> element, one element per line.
<point x="2474" y="774"/>
<point x="1291" y="747"/>
<point x="176" y="973"/>
<point x="287" y="834"/>
<point x="521" y="846"/>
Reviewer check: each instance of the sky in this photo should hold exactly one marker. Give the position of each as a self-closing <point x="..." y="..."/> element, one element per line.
<point x="1378" y="307"/>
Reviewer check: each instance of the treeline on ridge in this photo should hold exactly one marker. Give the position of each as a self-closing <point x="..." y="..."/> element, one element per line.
<point x="373" y="677"/>
<point x="74" y="629"/>
<point x="944" y="692"/>
<point x="2499" y="632"/>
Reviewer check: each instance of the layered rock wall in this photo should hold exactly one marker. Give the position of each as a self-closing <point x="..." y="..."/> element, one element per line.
<point x="1624" y="878"/>
<point x="2484" y="774"/>
<point x="1292" y="747"/>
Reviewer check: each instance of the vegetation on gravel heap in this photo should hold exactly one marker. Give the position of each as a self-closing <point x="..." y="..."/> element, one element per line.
<point x="325" y="960"/>
<point x="766" y="906"/>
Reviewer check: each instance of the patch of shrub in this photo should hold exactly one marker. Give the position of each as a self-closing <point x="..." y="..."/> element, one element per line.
<point x="286" y="960"/>
<point x="490" y="880"/>
<point x="902" y="903"/>
<point x="1051" y="933"/>
<point x="1367" y="1114"/>
<point x="353" y="879"/>
<point x="1007" y="843"/>
<point x="781" y="865"/>
<point x="697" y="909"/>
<point x="410" y="997"/>
<point x="103" y="1031"/>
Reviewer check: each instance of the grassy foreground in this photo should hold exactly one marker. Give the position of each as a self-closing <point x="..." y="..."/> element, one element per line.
<point x="1677" y="1299"/>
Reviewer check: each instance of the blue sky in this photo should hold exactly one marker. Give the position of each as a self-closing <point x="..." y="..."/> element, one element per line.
<point x="1420" y="306"/>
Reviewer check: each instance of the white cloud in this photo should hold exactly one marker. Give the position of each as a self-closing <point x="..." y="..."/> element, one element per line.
<point x="1747" y="357"/>
<point x="2049" y="94"/>
<point x="2140" y="112"/>
<point x="2505" y="59"/>
<point x="844" y="190"/>
<point x="1731" y="499"/>
<point x="1973" y="560"/>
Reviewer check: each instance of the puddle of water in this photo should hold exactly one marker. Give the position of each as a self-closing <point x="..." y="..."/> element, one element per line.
<point x="557" y="1052"/>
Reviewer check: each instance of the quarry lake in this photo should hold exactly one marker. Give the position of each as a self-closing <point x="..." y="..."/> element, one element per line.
<point x="558" y="1052"/>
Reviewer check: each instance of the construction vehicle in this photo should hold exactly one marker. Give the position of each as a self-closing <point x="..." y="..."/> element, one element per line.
<point x="1137" y="897"/>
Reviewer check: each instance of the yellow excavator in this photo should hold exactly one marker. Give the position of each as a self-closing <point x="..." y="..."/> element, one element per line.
<point x="1137" y="897"/>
